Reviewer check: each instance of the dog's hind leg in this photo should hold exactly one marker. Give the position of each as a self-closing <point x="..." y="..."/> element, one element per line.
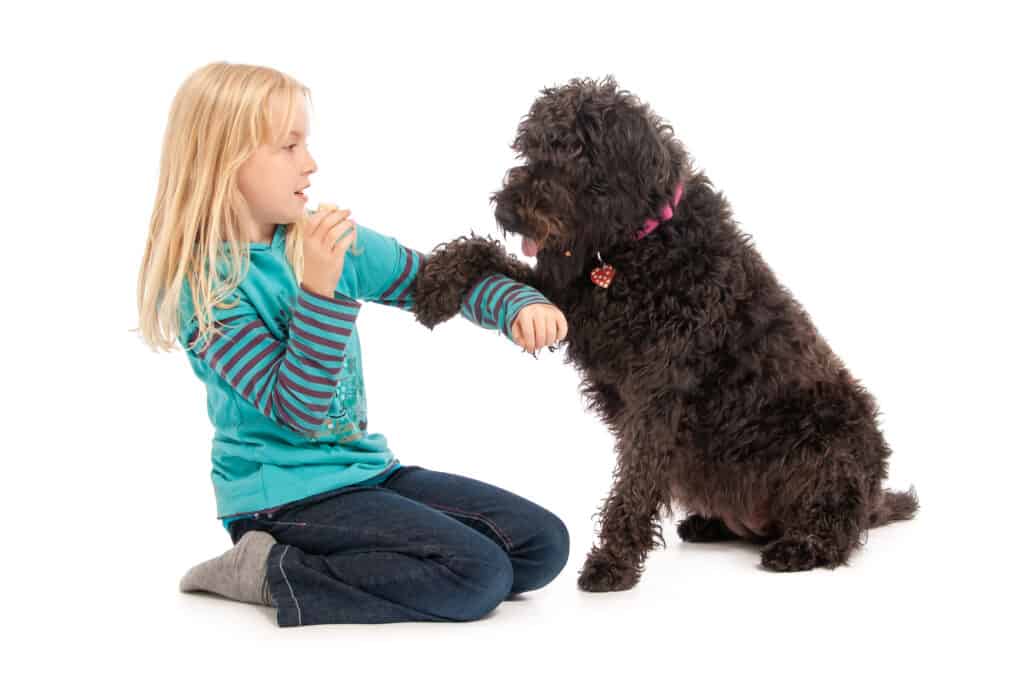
<point x="699" y="529"/>
<point x="823" y="526"/>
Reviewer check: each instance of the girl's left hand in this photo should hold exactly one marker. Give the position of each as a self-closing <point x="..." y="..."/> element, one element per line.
<point x="539" y="325"/>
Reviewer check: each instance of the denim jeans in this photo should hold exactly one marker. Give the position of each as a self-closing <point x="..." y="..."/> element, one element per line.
<point x="420" y="546"/>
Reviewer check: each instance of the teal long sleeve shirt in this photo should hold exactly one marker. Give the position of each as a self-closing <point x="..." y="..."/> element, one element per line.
<point x="283" y="375"/>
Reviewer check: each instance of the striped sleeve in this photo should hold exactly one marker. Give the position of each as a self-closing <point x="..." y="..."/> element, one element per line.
<point x="495" y="300"/>
<point x="289" y="382"/>
<point x="492" y="303"/>
<point x="399" y="290"/>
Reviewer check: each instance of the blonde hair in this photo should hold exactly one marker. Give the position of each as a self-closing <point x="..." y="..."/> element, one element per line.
<point x="218" y="119"/>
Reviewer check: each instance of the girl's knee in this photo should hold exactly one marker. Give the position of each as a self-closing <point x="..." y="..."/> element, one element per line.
<point x="486" y="577"/>
<point x="548" y="553"/>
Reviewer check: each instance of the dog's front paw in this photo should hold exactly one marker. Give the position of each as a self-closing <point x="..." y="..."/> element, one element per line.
<point x="602" y="573"/>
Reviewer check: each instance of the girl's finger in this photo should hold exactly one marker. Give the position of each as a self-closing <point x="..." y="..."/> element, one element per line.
<point x="348" y="236"/>
<point x="341" y="235"/>
<point x="524" y="342"/>
<point x="563" y="326"/>
<point x="316" y="221"/>
<point x="335" y="218"/>
<point x="552" y="331"/>
<point x="329" y="235"/>
<point x="527" y="333"/>
<point x="326" y="218"/>
<point x="313" y="224"/>
<point x="538" y="333"/>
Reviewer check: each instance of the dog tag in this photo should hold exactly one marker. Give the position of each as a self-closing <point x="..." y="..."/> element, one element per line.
<point x="603" y="275"/>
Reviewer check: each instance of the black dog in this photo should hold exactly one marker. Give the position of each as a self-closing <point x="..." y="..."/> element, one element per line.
<point x="722" y="396"/>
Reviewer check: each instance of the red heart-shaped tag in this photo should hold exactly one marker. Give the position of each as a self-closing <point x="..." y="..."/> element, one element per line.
<point x="603" y="275"/>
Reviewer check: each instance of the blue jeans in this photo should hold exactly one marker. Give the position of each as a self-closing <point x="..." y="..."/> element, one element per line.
<point x="420" y="546"/>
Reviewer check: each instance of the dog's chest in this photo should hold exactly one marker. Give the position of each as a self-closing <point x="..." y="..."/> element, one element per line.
<point x="595" y="340"/>
<point x="613" y="328"/>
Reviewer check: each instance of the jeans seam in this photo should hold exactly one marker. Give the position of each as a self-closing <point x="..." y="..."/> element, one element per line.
<point x="476" y="515"/>
<point x="280" y="566"/>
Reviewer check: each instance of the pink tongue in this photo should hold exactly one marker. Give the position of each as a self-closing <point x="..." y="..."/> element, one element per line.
<point x="529" y="247"/>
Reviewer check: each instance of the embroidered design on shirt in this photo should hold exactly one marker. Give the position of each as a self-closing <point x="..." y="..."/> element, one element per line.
<point x="346" y="415"/>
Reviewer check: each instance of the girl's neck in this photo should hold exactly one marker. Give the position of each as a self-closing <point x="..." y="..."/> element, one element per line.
<point x="257" y="232"/>
<point x="264" y="234"/>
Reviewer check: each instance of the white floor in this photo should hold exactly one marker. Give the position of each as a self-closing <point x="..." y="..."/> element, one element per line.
<point x="908" y="608"/>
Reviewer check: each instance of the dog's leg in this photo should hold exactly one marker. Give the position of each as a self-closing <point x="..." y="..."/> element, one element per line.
<point x="629" y="526"/>
<point x="823" y="527"/>
<point x="629" y="516"/>
<point x="699" y="529"/>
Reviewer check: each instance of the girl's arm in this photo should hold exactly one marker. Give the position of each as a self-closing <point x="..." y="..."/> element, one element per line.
<point x="290" y="382"/>
<point x="495" y="300"/>
<point x="397" y="276"/>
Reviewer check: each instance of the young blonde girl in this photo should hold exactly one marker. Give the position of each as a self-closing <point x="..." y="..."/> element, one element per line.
<point x="327" y="525"/>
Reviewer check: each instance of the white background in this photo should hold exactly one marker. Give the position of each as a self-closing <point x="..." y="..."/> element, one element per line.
<point x="873" y="152"/>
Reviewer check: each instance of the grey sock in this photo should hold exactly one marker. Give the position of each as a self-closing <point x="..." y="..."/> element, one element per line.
<point x="239" y="574"/>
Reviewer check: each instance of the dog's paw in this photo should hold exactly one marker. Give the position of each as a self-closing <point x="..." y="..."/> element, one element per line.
<point x="604" y="573"/>
<point x="794" y="555"/>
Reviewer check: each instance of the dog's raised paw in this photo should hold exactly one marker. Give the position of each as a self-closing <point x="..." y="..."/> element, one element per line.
<point x="603" y="573"/>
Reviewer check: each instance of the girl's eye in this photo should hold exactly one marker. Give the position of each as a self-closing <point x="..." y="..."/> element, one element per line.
<point x="291" y="146"/>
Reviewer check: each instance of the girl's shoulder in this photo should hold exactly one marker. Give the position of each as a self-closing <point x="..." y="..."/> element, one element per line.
<point x="238" y="303"/>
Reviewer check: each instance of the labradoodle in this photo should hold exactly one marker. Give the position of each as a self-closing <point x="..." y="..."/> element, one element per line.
<point x="723" y="398"/>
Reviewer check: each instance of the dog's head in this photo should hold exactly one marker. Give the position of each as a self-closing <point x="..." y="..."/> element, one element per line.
<point x="596" y="162"/>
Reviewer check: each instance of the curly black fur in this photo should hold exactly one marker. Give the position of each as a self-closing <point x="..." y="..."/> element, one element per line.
<point x="722" y="396"/>
<point x="450" y="271"/>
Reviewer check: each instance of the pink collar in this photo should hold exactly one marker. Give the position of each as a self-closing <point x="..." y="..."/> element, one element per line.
<point x="667" y="212"/>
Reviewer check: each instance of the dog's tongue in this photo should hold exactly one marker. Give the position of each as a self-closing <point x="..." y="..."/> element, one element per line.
<point x="529" y="247"/>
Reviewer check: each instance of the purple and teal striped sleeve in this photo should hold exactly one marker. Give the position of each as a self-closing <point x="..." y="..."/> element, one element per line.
<point x="290" y="382"/>
<point x="492" y="303"/>
<point x="399" y="291"/>
<point x="495" y="300"/>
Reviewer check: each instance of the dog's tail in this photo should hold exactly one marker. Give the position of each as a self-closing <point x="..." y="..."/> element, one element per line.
<point x="894" y="506"/>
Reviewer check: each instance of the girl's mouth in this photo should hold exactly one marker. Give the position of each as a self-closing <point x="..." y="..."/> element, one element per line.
<point x="300" y="194"/>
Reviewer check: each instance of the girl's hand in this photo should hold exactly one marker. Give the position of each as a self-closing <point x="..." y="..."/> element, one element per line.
<point x="326" y="237"/>
<point x="539" y="325"/>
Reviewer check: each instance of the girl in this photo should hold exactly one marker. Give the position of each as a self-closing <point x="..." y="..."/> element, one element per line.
<point x="328" y="527"/>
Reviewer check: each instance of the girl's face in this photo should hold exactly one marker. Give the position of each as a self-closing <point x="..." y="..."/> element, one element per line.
<point x="272" y="177"/>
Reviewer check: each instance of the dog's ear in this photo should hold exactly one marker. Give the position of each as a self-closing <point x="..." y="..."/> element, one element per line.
<point x="548" y="132"/>
<point x="564" y="120"/>
<point x="631" y="156"/>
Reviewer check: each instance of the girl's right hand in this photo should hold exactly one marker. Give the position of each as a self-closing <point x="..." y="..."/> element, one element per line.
<point x="329" y="233"/>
